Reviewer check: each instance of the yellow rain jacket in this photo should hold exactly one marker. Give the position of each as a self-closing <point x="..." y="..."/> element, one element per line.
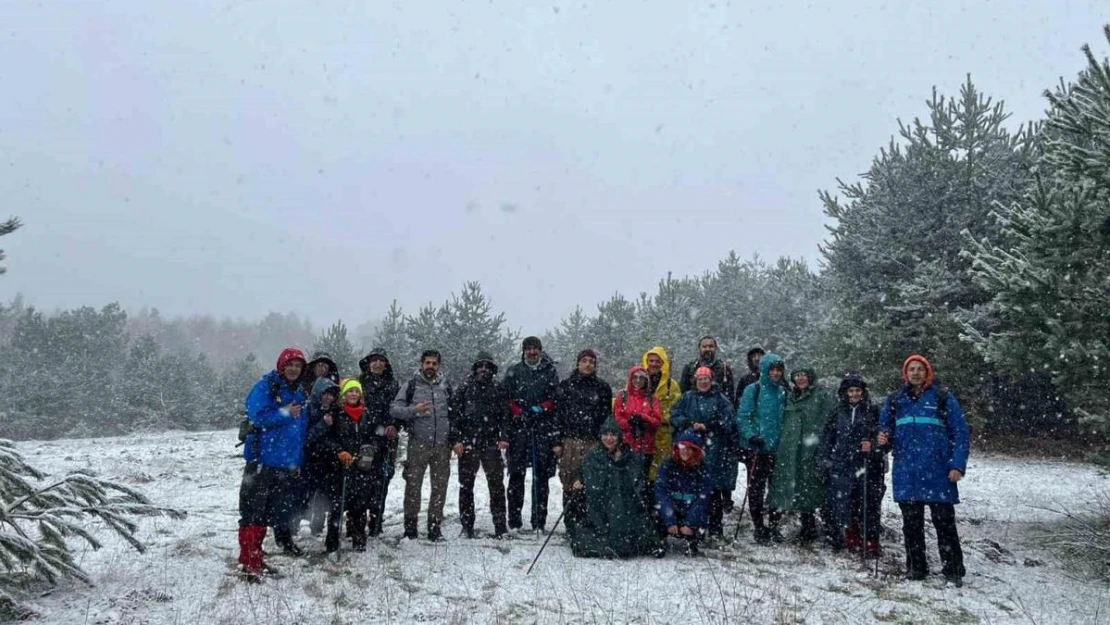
<point x="668" y="393"/>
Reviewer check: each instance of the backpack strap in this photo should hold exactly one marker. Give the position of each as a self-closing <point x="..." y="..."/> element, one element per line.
<point x="410" y="390"/>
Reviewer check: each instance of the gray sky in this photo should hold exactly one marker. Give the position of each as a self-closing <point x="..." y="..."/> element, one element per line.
<point x="239" y="157"/>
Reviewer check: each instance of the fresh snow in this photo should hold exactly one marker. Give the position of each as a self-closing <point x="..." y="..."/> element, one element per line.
<point x="186" y="576"/>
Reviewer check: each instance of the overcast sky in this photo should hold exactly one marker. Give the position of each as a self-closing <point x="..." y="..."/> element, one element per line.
<point x="327" y="157"/>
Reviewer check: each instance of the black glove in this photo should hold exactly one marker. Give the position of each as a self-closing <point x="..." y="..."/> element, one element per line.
<point x="756" y="442"/>
<point x="636" y="424"/>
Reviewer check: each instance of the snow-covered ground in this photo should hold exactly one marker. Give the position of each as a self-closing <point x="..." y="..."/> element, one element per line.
<point x="185" y="575"/>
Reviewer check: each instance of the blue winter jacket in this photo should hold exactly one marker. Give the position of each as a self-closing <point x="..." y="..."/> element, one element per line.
<point x="926" y="446"/>
<point x="760" y="411"/>
<point x="715" y="411"/>
<point x="280" y="438"/>
<point x="684" y="490"/>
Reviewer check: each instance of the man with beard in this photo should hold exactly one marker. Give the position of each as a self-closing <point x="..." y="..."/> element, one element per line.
<point x="707" y="357"/>
<point x="379" y="388"/>
<point x="479" y="433"/>
<point x="422" y="405"/>
<point x="530" y="385"/>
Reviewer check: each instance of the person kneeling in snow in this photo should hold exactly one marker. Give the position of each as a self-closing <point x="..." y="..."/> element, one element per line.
<point x="682" y="492"/>
<point x="616" y="524"/>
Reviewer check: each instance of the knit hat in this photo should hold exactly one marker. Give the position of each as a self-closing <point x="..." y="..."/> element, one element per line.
<point x="929" y="374"/>
<point x="487" y="358"/>
<point x="531" y="341"/>
<point x="287" y="355"/>
<point x="586" y="352"/>
<point x="610" y="427"/>
<point x="703" y="371"/>
<point x="349" y="384"/>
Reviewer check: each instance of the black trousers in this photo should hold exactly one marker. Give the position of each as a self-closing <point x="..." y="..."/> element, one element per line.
<point x="268" y="496"/>
<point x="489" y="460"/>
<point x="717" y="512"/>
<point x="948" y="539"/>
<point x="760" y="469"/>
<point x="528" y="450"/>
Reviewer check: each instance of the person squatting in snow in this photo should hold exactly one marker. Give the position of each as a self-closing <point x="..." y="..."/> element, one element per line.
<point x="648" y="465"/>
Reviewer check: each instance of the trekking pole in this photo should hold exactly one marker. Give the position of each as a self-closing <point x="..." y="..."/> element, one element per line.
<point x="747" y="491"/>
<point x="342" y="505"/>
<point x="866" y="463"/>
<point x="545" y="541"/>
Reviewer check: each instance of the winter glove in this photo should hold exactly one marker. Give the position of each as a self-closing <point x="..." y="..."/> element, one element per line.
<point x="756" y="442"/>
<point x="346" y="458"/>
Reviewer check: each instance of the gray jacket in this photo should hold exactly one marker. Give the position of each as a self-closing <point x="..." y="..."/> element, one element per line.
<point x="432" y="427"/>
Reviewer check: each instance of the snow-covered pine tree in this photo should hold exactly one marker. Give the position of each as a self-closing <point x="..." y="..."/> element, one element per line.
<point x="37" y="520"/>
<point x="616" y="330"/>
<point x="334" y="342"/>
<point x="1048" y="268"/>
<point x="390" y="336"/>
<point x="7" y="227"/>
<point x="669" y="318"/>
<point x="422" y="331"/>
<point x="468" y="326"/>
<point x="572" y="336"/>
<point x="893" y="256"/>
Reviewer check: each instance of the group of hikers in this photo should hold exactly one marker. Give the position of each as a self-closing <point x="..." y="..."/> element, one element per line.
<point x="649" y="467"/>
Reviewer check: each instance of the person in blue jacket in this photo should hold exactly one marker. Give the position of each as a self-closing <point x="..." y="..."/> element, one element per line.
<point x="682" y="492"/>
<point x="275" y="450"/>
<point x="706" y="411"/>
<point x="930" y="437"/>
<point x="759" y="419"/>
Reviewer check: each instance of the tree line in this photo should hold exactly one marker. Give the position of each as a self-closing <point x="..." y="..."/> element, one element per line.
<point x="984" y="246"/>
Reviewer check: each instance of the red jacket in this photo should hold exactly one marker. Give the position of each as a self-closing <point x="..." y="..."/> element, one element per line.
<point x="643" y="403"/>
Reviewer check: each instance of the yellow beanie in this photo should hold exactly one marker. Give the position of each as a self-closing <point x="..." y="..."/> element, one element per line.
<point x="349" y="384"/>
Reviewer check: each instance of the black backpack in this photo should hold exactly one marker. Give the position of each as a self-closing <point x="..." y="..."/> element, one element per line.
<point x="410" y="390"/>
<point x="245" y="426"/>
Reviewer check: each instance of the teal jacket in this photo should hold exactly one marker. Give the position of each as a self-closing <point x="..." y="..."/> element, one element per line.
<point x="760" y="411"/>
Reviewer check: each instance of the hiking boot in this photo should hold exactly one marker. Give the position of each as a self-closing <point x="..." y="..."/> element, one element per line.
<point x="291" y="549"/>
<point x="410" y="529"/>
<point x="691" y="550"/>
<point x="916" y="576"/>
<point x="776" y="535"/>
<point x="761" y="535"/>
<point x="468" y="532"/>
<point x="659" y="552"/>
<point x="955" y="580"/>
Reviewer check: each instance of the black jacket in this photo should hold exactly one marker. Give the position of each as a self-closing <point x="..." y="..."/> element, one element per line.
<point x="582" y="404"/>
<point x="479" y="414"/>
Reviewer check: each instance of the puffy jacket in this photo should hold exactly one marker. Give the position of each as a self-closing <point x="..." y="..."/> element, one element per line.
<point x="279" y="437"/>
<point x="637" y="413"/>
<point x="927" y="445"/>
<point x="682" y="487"/>
<point x="714" y="410"/>
<point x="432" y="427"/>
<point x="479" y="414"/>
<point x="668" y="392"/>
<point x="531" y="392"/>
<point x="582" y="404"/>
<point x="760" y="412"/>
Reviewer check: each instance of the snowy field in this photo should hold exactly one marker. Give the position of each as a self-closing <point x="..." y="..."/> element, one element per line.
<point x="185" y="577"/>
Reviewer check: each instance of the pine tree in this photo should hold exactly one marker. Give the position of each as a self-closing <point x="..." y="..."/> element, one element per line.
<point x="334" y="342"/>
<point x="572" y="336"/>
<point x="467" y="326"/>
<point x="669" y="318"/>
<point x="37" y="521"/>
<point x="893" y="263"/>
<point x="8" y="227"/>
<point x="1048" y="268"/>
<point x="616" y="330"/>
<point x="422" y="331"/>
<point x="390" y="336"/>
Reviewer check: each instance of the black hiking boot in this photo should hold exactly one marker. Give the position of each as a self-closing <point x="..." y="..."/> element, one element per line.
<point x="410" y="529"/>
<point x="468" y="532"/>
<point x="761" y="535"/>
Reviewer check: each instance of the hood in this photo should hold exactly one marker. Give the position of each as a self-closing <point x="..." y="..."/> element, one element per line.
<point x="333" y="369"/>
<point x="769" y="360"/>
<point x="321" y="386"/>
<point x="751" y="353"/>
<point x="806" y="370"/>
<point x="287" y="354"/>
<point x="610" y="427"/>
<point x="628" y="383"/>
<point x="930" y="375"/>
<point x="850" y="380"/>
<point x="484" y="357"/>
<point x="364" y="364"/>
<point x="662" y="353"/>
<point x="692" y="439"/>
